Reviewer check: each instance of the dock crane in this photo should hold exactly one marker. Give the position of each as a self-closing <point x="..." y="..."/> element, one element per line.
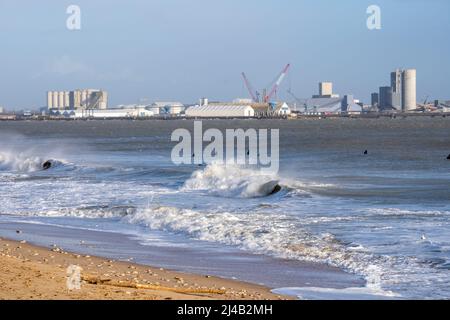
<point x="266" y="97"/>
<point x="425" y="106"/>
<point x="301" y="102"/>
<point x="253" y="93"/>
<point x="315" y="108"/>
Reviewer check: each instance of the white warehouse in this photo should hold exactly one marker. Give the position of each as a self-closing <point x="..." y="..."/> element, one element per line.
<point x="220" y="111"/>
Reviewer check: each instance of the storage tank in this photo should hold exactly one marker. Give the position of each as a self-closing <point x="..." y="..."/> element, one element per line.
<point x="66" y="99"/>
<point x="409" y="101"/>
<point x="76" y="99"/>
<point x="55" y="99"/>
<point x="49" y="99"/>
<point x="61" y="99"/>
<point x="84" y="98"/>
<point x="104" y="100"/>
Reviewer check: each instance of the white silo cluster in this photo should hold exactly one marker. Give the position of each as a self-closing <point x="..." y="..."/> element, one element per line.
<point x="401" y="94"/>
<point x="77" y="99"/>
<point x="58" y="99"/>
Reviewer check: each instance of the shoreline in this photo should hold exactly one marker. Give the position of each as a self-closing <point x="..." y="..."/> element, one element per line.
<point x="173" y="252"/>
<point x="32" y="272"/>
<point x="218" y="266"/>
<point x="394" y="115"/>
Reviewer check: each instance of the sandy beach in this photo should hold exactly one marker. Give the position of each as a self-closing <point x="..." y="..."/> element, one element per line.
<point x="33" y="272"/>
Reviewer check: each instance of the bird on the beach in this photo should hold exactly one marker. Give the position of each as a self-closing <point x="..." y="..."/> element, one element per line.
<point x="366" y="152"/>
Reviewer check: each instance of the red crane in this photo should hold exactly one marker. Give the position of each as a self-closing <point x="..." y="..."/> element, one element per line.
<point x="254" y="94"/>
<point x="266" y="97"/>
<point x="277" y="83"/>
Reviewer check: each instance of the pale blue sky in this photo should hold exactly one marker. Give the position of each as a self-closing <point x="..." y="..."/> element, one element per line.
<point x="183" y="50"/>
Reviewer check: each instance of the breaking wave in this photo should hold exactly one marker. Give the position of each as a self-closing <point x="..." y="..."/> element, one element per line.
<point x="20" y="162"/>
<point x="232" y="181"/>
<point x="89" y="212"/>
<point x="277" y="235"/>
<point x="26" y="163"/>
<point x="287" y="237"/>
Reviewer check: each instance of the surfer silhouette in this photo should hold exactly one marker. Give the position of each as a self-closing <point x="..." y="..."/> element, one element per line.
<point x="47" y="165"/>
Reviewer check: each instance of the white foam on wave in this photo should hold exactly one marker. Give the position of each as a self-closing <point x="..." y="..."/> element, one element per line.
<point x="25" y="162"/>
<point x="356" y="293"/>
<point x="231" y="181"/>
<point x="21" y="162"/>
<point x="406" y="213"/>
<point x="235" y="181"/>
<point x="288" y="237"/>
<point x="274" y="234"/>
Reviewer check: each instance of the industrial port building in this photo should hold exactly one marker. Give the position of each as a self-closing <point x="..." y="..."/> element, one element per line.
<point x="77" y="99"/>
<point x="327" y="102"/>
<point x="220" y="111"/>
<point x="240" y="108"/>
<point x="401" y="94"/>
<point x="92" y="110"/>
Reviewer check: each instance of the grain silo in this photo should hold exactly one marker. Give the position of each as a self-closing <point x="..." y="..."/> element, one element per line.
<point x="76" y="101"/>
<point x="103" y="100"/>
<point x="66" y="99"/>
<point x="55" y="99"/>
<point x="61" y="99"/>
<point x="409" y="101"/>
<point x="49" y="99"/>
<point x="84" y="98"/>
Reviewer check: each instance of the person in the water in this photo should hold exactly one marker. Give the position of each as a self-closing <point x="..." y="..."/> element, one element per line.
<point x="276" y="189"/>
<point x="47" y="165"/>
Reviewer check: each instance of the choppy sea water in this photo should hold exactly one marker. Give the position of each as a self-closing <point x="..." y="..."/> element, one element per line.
<point x="384" y="216"/>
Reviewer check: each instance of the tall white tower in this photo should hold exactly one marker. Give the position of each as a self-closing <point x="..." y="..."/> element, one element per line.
<point x="61" y="100"/>
<point x="84" y="98"/>
<point x="49" y="99"/>
<point x="55" y="99"/>
<point x="66" y="99"/>
<point x="409" y="87"/>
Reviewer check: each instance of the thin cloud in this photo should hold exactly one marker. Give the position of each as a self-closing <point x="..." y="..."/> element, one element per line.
<point x="67" y="66"/>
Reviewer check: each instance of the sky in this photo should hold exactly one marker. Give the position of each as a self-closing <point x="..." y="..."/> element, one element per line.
<point x="179" y="50"/>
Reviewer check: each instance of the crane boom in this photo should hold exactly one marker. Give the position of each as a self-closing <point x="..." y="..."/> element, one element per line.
<point x="277" y="83"/>
<point x="253" y="94"/>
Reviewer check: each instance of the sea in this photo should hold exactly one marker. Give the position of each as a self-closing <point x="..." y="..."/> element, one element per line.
<point x="383" y="217"/>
